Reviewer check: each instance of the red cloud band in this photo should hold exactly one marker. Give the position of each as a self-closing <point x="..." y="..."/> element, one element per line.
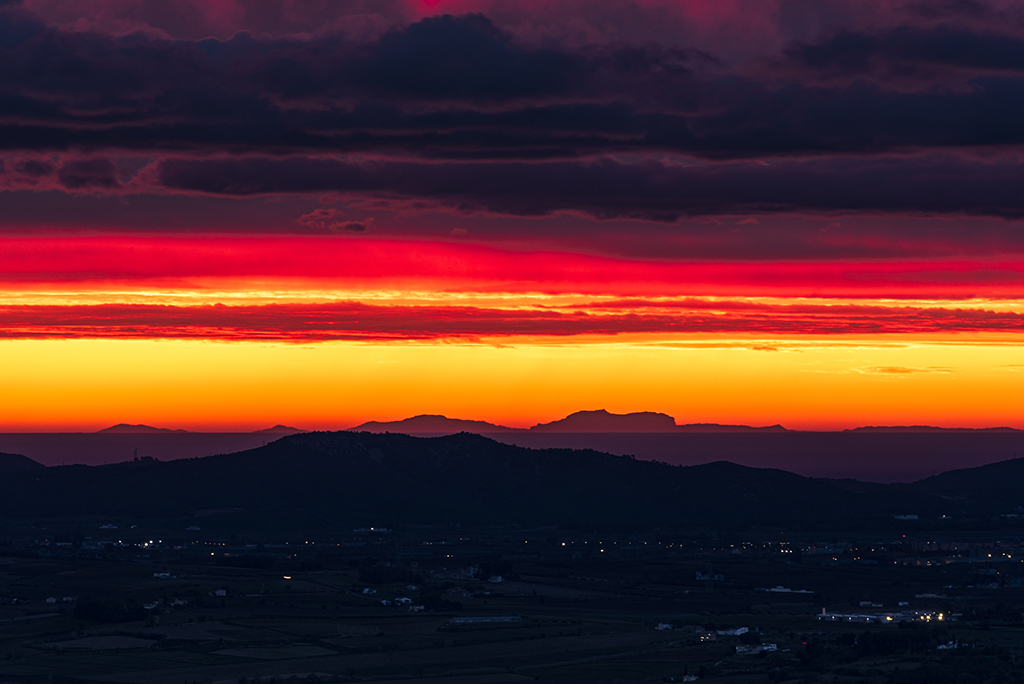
<point x="332" y="262"/>
<point x="358" y="321"/>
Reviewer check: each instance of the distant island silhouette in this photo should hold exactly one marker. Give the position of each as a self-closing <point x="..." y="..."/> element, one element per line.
<point x="603" y="421"/>
<point x="279" y="430"/>
<point x="585" y="422"/>
<point x="126" y="429"/>
<point x="433" y="424"/>
<point x="597" y="421"/>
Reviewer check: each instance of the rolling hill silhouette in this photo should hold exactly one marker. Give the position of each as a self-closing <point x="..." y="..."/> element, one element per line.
<point x="16" y="463"/>
<point x="994" y="489"/>
<point x="337" y="480"/>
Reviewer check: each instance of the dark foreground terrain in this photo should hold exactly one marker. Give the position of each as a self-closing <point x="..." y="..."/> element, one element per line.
<point x="427" y="603"/>
<point x="385" y="558"/>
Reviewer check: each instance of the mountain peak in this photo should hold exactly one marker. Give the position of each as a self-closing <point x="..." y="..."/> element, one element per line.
<point x="718" y="427"/>
<point x="432" y="424"/>
<point x="279" y="430"/>
<point x="603" y="421"/>
<point x="125" y="428"/>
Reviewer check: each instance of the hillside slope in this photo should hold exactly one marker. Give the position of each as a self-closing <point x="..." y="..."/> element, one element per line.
<point x="16" y="463"/>
<point x="321" y="480"/>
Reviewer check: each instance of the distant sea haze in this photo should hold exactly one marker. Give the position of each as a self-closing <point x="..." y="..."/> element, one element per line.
<point x="878" y="454"/>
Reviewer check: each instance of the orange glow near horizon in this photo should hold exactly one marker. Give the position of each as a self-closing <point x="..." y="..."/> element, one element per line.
<point x="72" y="385"/>
<point x="218" y="333"/>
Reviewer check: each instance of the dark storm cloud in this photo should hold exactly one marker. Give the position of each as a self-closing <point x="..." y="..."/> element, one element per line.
<point x="464" y="58"/>
<point x="902" y="49"/>
<point x="458" y="87"/>
<point x="89" y="174"/>
<point x="419" y="88"/>
<point x="35" y="167"/>
<point x="608" y="188"/>
<point x="438" y="59"/>
<point x="198" y="19"/>
<point x="460" y="113"/>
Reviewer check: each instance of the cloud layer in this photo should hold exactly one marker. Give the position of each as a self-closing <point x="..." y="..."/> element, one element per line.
<point x="781" y="130"/>
<point x="464" y="87"/>
<point x="337" y="321"/>
<point x="327" y="263"/>
<point x="649" y="190"/>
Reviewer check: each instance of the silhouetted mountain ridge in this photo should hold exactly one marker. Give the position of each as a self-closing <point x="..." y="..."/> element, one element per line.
<point x="16" y="463"/>
<point x="592" y="422"/>
<point x="433" y="424"/>
<point x="323" y="480"/>
<point x="125" y="428"/>
<point x="279" y="430"/>
<point x="603" y="421"/>
<point x="719" y="427"/>
<point x="994" y="489"/>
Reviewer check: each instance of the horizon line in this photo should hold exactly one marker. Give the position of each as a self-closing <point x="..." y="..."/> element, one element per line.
<point x="147" y="428"/>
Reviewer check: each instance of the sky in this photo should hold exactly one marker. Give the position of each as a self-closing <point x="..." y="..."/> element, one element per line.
<point x="228" y="214"/>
